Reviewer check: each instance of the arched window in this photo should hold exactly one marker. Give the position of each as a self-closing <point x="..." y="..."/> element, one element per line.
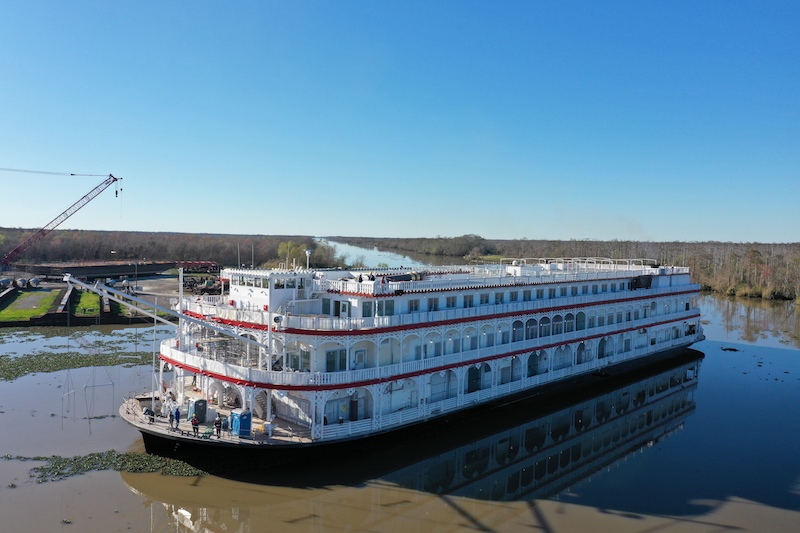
<point x="538" y="363"/>
<point x="558" y="325"/>
<point x="569" y="323"/>
<point x="544" y="327"/>
<point x="531" y="329"/>
<point x="518" y="332"/>
<point x="580" y="321"/>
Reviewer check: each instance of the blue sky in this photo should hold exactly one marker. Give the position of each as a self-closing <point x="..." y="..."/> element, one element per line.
<point x="637" y="120"/>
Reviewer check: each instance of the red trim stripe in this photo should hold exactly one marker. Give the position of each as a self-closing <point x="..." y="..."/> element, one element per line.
<point x="398" y="377"/>
<point x="406" y="327"/>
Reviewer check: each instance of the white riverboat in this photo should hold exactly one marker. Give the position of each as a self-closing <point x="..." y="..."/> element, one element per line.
<point x="300" y="360"/>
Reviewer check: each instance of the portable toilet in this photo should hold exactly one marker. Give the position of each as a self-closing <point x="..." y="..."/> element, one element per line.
<point x="197" y="406"/>
<point x="240" y="422"/>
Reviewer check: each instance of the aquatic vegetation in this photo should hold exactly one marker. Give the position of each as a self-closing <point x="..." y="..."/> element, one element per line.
<point x="55" y="349"/>
<point x="12" y="368"/>
<point x="57" y="468"/>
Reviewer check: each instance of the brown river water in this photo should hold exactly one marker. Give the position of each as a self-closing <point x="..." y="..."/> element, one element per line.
<point x="730" y="464"/>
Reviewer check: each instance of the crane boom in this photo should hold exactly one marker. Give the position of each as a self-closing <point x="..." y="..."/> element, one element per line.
<point x="42" y="233"/>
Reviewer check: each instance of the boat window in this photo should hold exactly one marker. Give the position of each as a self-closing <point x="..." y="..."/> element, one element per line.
<point x="574" y="290"/>
<point x="433" y="304"/>
<point x="305" y="360"/>
<point x="367" y="309"/>
<point x="498" y="298"/>
<point x="513" y="296"/>
<point x="335" y="360"/>
<point x="518" y="331"/>
<point x="469" y="300"/>
<point x="526" y="295"/>
<point x="563" y="292"/>
<point x="385" y="308"/>
<point x="551" y="293"/>
<point x="279" y="284"/>
<point x="413" y="306"/>
<point x="544" y="327"/>
<point x="580" y="321"/>
<point x="585" y="289"/>
<point x="451" y="302"/>
<point x="484" y="298"/>
<point x="326" y="306"/>
<point x="558" y="325"/>
<point x="531" y="329"/>
<point x="539" y="294"/>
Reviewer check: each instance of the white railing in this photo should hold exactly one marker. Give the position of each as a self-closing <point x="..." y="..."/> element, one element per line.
<point x="475" y="398"/>
<point x="407" y="415"/>
<point x="488" y="279"/>
<point x="406" y="319"/>
<point x="189" y="355"/>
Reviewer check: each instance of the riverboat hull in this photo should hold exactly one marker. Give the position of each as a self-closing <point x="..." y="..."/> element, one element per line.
<point x="249" y="459"/>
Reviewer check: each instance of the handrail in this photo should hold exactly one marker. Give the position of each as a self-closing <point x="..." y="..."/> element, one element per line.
<point x="325" y="323"/>
<point x="202" y="361"/>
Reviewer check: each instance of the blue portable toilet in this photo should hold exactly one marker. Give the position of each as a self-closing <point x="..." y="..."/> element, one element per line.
<point x="241" y="420"/>
<point x="198" y="407"/>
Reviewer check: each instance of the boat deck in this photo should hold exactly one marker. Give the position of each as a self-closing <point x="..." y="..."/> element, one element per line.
<point x="278" y="432"/>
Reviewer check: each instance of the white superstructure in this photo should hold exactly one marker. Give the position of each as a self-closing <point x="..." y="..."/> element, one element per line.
<point x="348" y="353"/>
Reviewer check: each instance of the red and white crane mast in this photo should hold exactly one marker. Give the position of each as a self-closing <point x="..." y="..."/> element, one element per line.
<point x="53" y="224"/>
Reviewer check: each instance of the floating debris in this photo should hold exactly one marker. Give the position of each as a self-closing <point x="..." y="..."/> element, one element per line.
<point x="727" y="349"/>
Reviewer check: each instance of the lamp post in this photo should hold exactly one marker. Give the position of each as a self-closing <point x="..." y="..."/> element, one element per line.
<point x="308" y="258"/>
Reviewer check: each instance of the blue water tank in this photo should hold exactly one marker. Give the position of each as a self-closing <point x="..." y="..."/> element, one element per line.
<point x="241" y="421"/>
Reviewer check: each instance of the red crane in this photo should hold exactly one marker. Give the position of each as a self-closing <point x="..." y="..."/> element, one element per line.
<point x="42" y="233"/>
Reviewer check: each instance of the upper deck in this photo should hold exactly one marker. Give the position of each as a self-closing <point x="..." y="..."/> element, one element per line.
<point x="366" y="282"/>
<point x="341" y="300"/>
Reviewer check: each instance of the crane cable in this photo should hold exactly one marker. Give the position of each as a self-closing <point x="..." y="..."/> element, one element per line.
<point x="47" y="172"/>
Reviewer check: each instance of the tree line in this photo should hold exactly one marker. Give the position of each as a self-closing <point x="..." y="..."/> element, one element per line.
<point x="770" y="271"/>
<point x="759" y="270"/>
<point x="228" y="250"/>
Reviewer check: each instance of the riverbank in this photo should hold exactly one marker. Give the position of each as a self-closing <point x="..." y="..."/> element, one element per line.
<point x="57" y="304"/>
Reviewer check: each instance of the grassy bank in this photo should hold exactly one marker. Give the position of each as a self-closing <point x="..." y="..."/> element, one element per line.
<point x="24" y="305"/>
<point x="88" y="304"/>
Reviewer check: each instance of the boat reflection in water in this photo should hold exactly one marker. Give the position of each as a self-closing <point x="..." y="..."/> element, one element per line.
<point x="527" y="453"/>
